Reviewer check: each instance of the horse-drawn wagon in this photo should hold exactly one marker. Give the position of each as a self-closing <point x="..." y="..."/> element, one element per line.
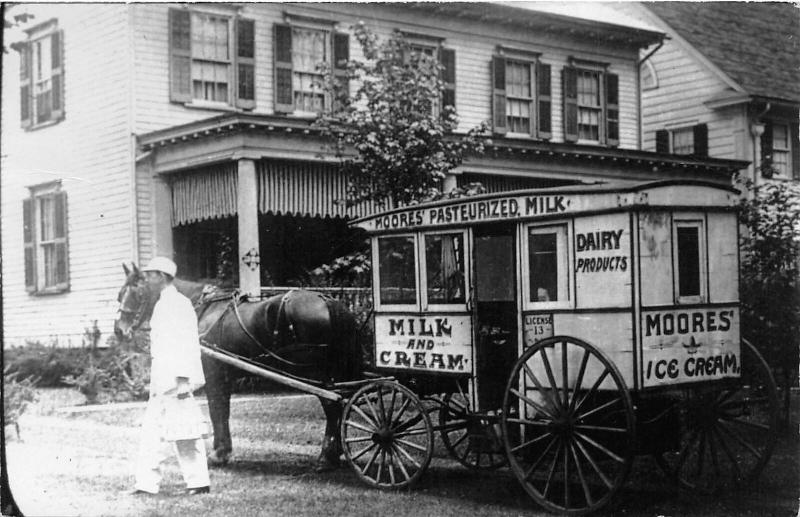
<point x="558" y="331"/>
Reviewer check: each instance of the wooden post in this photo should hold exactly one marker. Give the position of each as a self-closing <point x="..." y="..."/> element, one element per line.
<point x="247" y="210"/>
<point x="162" y="207"/>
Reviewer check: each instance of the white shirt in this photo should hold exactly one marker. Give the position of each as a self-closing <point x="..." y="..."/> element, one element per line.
<point x="174" y="343"/>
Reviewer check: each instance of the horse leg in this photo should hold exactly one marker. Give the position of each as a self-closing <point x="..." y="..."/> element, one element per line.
<point x="332" y="443"/>
<point x="218" y="392"/>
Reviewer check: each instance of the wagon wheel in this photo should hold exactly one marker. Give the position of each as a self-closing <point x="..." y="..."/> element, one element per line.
<point x="387" y="435"/>
<point x="474" y="440"/>
<point x="568" y="425"/>
<point x="727" y="433"/>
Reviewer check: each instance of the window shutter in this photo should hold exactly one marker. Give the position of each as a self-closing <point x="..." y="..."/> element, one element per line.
<point x="448" y="61"/>
<point x="245" y="64"/>
<point x="28" y="239"/>
<point x="180" y="55"/>
<point x="57" y="84"/>
<point x="766" y="149"/>
<point x="545" y="100"/>
<point x="794" y="133"/>
<point x="569" y="78"/>
<point x="612" y="109"/>
<point x="25" y="85"/>
<point x="341" y="56"/>
<point x="662" y="141"/>
<point x="700" y="140"/>
<point x="60" y="240"/>
<point x="499" y="124"/>
<point x="284" y="102"/>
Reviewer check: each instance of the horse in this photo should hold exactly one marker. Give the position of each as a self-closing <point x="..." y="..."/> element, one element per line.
<point x="302" y="333"/>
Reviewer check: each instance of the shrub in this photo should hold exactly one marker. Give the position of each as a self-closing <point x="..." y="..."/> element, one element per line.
<point x="47" y="364"/>
<point x="17" y="395"/>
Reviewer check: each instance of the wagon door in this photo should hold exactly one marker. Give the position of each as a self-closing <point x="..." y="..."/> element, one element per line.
<point x="495" y="306"/>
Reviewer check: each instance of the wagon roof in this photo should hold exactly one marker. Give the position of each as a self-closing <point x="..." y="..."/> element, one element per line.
<point x="552" y="202"/>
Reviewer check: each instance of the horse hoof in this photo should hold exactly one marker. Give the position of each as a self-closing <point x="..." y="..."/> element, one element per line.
<point x="218" y="460"/>
<point x="325" y="464"/>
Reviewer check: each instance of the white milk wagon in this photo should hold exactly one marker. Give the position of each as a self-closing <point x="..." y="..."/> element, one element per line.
<point x="563" y="331"/>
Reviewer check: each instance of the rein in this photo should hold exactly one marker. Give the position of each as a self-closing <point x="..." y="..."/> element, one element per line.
<point x="235" y="299"/>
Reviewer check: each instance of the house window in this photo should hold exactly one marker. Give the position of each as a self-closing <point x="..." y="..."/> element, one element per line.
<point x="781" y="149"/>
<point x="548" y="272"/>
<point x="683" y="141"/>
<point x="688" y="241"/>
<point x="212" y="59"/>
<point x="41" y="76"/>
<point x="591" y="103"/>
<point x="310" y="48"/>
<point x="45" y="240"/>
<point x="431" y="48"/>
<point x="691" y="140"/>
<point x="521" y="101"/>
<point x="589" y="107"/>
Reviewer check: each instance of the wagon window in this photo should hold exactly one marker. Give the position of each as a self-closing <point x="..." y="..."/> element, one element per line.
<point x="396" y="270"/>
<point x="547" y="259"/>
<point x="689" y="258"/>
<point x="444" y="263"/>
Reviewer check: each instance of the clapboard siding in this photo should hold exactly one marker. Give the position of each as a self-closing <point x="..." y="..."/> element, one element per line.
<point x="474" y="44"/>
<point x="90" y="151"/>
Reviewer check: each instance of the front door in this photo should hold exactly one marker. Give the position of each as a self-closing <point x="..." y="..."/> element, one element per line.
<point x="495" y="297"/>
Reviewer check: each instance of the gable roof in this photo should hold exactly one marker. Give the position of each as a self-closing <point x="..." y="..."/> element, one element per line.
<point x="757" y="44"/>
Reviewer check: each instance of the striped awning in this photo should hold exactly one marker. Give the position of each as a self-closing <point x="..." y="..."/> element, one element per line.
<point x="201" y="194"/>
<point x="305" y="189"/>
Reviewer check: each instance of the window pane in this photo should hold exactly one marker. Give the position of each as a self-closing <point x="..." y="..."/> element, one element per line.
<point x="688" y="261"/>
<point x="780" y="137"/>
<point x="544" y="270"/>
<point x="46" y="218"/>
<point x="444" y="257"/>
<point x="50" y="265"/>
<point x="396" y="270"/>
<point x="683" y="141"/>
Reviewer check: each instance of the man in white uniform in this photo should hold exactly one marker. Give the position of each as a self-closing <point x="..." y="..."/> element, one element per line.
<point x="172" y="413"/>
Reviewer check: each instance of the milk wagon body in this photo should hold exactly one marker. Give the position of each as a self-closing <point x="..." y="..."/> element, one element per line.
<point x="562" y="332"/>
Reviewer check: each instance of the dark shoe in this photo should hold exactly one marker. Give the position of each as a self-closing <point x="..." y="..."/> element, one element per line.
<point x="137" y="492"/>
<point x="198" y="490"/>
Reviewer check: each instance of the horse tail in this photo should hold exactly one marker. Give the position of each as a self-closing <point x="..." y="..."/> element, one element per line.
<point x="345" y="343"/>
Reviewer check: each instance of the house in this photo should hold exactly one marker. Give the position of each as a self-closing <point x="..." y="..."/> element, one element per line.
<point x="185" y="130"/>
<point x="725" y="82"/>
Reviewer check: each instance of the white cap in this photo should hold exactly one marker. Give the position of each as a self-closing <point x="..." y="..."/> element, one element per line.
<point x="162" y="264"/>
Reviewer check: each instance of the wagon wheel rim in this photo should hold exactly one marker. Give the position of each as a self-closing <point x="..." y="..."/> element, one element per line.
<point x="456" y="421"/>
<point x="387" y="435"/>
<point x="727" y="434"/>
<point x="570" y="444"/>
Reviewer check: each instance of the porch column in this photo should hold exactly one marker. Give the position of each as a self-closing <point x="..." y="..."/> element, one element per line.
<point x="162" y="207"/>
<point x="247" y="210"/>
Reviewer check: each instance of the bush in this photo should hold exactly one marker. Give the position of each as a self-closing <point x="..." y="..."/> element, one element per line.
<point x="17" y="395"/>
<point x="47" y="364"/>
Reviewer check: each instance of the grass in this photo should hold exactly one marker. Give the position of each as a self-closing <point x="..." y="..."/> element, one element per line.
<point x="79" y="463"/>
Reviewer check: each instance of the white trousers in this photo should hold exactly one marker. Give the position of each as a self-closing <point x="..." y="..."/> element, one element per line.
<point x="154" y="450"/>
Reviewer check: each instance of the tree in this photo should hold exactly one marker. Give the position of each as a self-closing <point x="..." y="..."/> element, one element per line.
<point x="396" y="139"/>
<point x="770" y="275"/>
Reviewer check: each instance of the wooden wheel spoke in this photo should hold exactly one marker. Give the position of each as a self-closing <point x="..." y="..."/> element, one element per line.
<point x="363" y="451"/>
<point x="550" y="377"/>
<point x="601" y="428"/>
<point x="460" y="440"/>
<point x="566" y="475"/>
<point x="366" y="418"/>
<point x="600" y="448"/>
<point x="564" y="373"/>
<point x="378" y="421"/>
<point x="728" y="453"/>
<point x="411" y="444"/>
<point x="533" y="403"/>
<point x="579" y="380"/>
<point x="701" y="453"/>
<point x="530" y="442"/>
<point x="381" y="406"/>
<point x="552" y="470"/>
<point x="541" y="457"/>
<point x="412" y="431"/>
<point x="586" y="492"/>
<point x="453" y="425"/>
<point x="539" y="386"/>
<point x="592" y="389"/>
<point x="713" y="451"/>
<point x="358" y="439"/>
<point x="371" y="461"/>
<point x="598" y="409"/>
<point x="390" y="467"/>
<point x="398" y="452"/>
<point x="525" y="421"/>
<point x="738" y="439"/>
<point x="360" y="426"/>
<point x="401" y="412"/>
<point x="594" y="465"/>
<point x="747" y="423"/>
<point x="405" y="453"/>
<point x="381" y="464"/>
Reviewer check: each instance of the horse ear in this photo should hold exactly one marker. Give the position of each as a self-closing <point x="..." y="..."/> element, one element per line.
<point x="125" y="268"/>
<point x="135" y="268"/>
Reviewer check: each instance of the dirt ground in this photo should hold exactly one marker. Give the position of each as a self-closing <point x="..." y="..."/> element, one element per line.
<point x="79" y="463"/>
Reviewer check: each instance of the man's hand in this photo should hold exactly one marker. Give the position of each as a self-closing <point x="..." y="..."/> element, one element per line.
<point x="183" y="390"/>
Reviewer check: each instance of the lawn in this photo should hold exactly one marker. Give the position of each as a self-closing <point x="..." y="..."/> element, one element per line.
<point x="79" y="463"/>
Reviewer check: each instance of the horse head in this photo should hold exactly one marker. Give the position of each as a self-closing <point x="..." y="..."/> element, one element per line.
<point x="136" y="301"/>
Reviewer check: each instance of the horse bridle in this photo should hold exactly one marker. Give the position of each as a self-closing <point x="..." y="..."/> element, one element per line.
<point x="138" y="313"/>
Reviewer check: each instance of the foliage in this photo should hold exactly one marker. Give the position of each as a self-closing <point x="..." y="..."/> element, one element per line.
<point x="404" y="139"/>
<point x="17" y="395"/>
<point x="351" y="270"/>
<point x="47" y="364"/>
<point x="770" y="271"/>
<point x="119" y="373"/>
